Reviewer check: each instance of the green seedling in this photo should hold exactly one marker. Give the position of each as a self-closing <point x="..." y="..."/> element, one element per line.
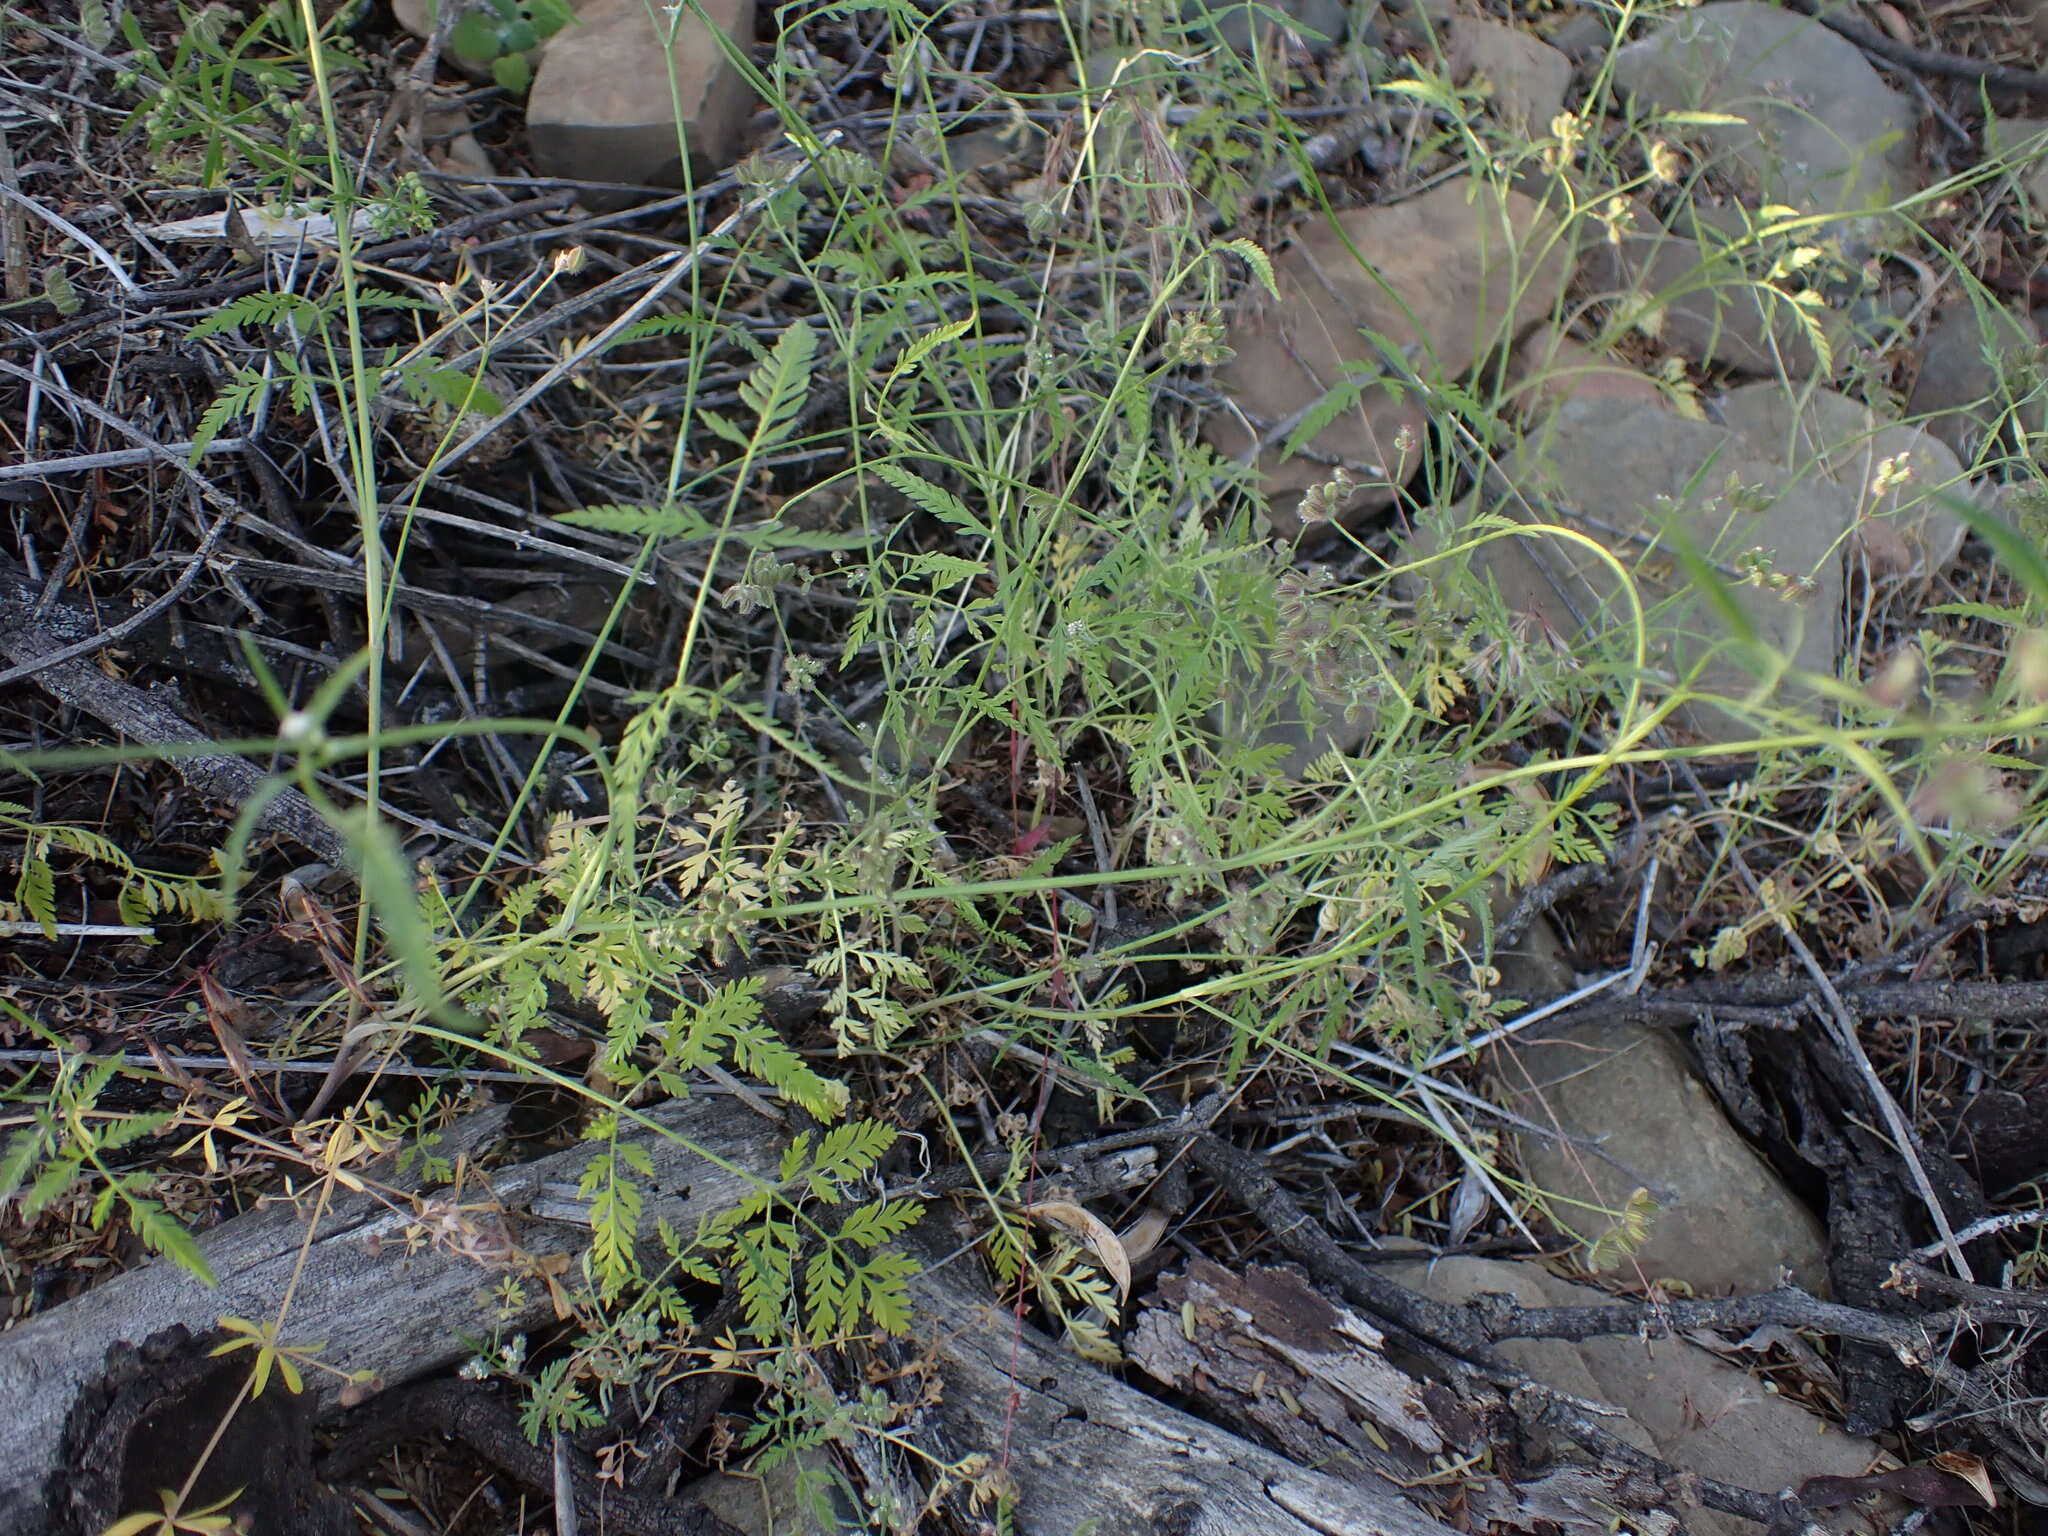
<point x="504" y="35"/>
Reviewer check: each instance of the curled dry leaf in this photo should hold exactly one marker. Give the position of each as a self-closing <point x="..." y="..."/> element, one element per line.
<point x="1092" y="1232"/>
<point x="1468" y="1205"/>
<point x="1145" y="1234"/>
<point x="1970" y="1469"/>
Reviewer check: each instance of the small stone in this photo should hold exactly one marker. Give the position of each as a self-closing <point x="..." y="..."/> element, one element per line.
<point x="1583" y="36"/>
<point x="980" y="150"/>
<point x="1820" y="129"/>
<point x="416" y="16"/>
<point x="452" y="146"/>
<point x="1424" y="17"/>
<point x="601" y="108"/>
<point x="1454" y="273"/>
<point x="801" y="1492"/>
<point x="1529" y="77"/>
<point x="1107" y="67"/>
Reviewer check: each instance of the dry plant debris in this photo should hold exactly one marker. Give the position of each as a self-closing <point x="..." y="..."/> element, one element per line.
<point x="738" y="737"/>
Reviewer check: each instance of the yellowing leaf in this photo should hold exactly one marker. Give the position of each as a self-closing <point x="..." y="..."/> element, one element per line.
<point x="1705" y="119"/>
<point x="1628" y="1234"/>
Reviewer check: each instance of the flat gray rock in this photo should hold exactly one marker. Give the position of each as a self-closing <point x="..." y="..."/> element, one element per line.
<point x="1820" y="129"/>
<point x="1733" y="1223"/>
<point x="2023" y="143"/>
<point x="1528" y="76"/>
<point x="1321" y="24"/>
<point x="802" y="1494"/>
<point x="1728" y="1221"/>
<point x="1698" y="296"/>
<point x="1583" y="36"/>
<point x="1550" y="367"/>
<point x="1628" y="475"/>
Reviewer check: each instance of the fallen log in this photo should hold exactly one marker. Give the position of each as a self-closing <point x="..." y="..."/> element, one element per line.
<point x="40" y="639"/>
<point x="1078" y="1445"/>
<point x="1087" y="1452"/>
<point x="379" y="1301"/>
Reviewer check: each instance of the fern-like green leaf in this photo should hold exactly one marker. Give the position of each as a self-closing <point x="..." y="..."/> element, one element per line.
<point x="58" y="1175"/>
<point x="765" y="1262"/>
<point x="385" y="298"/>
<point x="162" y="1233"/>
<point x="1255" y="258"/>
<point x="718" y="424"/>
<point x="936" y="500"/>
<point x="825" y="1293"/>
<point x="616" y="1203"/>
<point x="642" y="522"/>
<point x="655" y="327"/>
<point x="89" y="844"/>
<point x="36" y="890"/>
<point x="1338" y="399"/>
<point x="775" y="391"/>
<point x="16" y="1161"/>
<point x="795" y="1155"/>
<point x="847" y="1152"/>
<point x="234" y="400"/>
<point x="766" y="1055"/>
<point x="885" y="1290"/>
<point x="118" y="1135"/>
<point x="266" y="308"/>
<point x="924" y="346"/>
<point x="879" y="1221"/>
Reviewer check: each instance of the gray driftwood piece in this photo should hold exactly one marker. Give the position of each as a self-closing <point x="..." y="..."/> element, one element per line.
<point x="376" y="1306"/>
<point x="1083" y="1447"/>
<point x="30" y="631"/>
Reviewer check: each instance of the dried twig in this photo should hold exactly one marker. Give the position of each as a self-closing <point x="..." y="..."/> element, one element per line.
<point x="146" y="1062"/>
<point x="665" y="271"/>
<point x="1909" y="954"/>
<point x="1905" y="1140"/>
<point x="113" y="458"/>
<point x="1923" y="61"/>
<point x="1777" y="1002"/>
<point x="58" y="222"/>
